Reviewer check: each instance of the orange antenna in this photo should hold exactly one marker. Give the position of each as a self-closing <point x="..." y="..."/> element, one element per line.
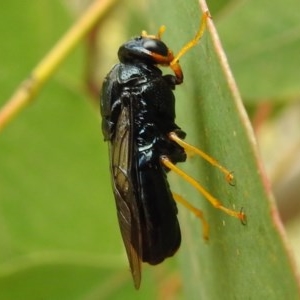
<point x="161" y="30"/>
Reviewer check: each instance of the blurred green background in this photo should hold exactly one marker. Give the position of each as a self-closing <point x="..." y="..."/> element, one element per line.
<point x="59" y="237"/>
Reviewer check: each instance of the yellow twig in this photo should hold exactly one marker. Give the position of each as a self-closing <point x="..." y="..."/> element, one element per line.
<point x="31" y="85"/>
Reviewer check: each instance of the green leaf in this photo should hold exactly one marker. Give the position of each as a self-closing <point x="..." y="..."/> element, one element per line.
<point x="59" y="237"/>
<point x="239" y="262"/>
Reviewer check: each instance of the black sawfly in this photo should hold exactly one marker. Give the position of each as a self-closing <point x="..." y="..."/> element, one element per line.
<point x="138" y="121"/>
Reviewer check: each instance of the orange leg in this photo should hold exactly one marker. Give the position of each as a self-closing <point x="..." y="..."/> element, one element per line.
<point x="215" y="202"/>
<point x="194" y="41"/>
<point x="189" y="148"/>
<point x="197" y="212"/>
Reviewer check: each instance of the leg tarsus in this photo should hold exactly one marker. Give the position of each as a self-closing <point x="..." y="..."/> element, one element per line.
<point x="192" y="149"/>
<point x="214" y="201"/>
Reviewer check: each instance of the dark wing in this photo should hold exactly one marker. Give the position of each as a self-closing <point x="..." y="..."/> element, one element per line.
<point x="128" y="213"/>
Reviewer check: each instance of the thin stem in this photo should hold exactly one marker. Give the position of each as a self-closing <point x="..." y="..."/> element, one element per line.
<point x="41" y="73"/>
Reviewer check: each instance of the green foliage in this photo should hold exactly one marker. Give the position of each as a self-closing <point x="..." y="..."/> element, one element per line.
<point x="59" y="237"/>
<point x="239" y="262"/>
<point x="262" y="41"/>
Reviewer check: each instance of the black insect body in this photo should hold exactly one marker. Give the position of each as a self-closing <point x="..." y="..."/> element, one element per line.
<point x="138" y="111"/>
<point x="138" y="121"/>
